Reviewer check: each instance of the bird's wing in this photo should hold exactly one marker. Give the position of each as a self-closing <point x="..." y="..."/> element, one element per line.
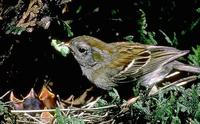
<point x="161" y="55"/>
<point x="142" y="59"/>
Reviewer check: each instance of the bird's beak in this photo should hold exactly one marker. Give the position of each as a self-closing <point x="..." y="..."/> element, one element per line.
<point x="67" y="44"/>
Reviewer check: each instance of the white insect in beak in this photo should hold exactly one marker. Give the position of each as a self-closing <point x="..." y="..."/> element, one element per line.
<point x="61" y="47"/>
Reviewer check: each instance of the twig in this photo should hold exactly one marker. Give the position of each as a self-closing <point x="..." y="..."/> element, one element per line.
<point x="33" y="118"/>
<point x="26" y="122"/>
<point x="5" y="94"/>
<point x="107" y="122"/>
<point x="58" y="102"/>
<point x="73" y="109"/>
<point x="91" y="104"/>
<point x="99" y="116"/>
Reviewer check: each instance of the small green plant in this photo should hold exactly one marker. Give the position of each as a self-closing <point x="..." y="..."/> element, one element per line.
<point x="144" y="35"/>
<point x="11" y="29"/>
<point x="79" y="9"/>
<point x="129" y="38"/>
<point x="61" y="119"/>
<point x="194" y="59"/>
<point x="172" y="42"/>
<point x="196" y="22"/>
<point x="175" y="105"/>
<point x="67" y="28"/>
<point x="5" y="115"/>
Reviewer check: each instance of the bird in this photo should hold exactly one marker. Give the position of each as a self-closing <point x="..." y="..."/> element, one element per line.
<point x="29" y="102"/>
<point x="47" y="97"/>
<point x="108" y="65"/>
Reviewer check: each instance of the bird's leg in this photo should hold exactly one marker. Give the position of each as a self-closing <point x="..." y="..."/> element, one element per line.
<point x="125" y="106"/>
<point x="179" y="82"/>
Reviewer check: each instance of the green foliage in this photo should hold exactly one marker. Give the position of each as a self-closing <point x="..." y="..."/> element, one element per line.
<point x="189" y="102"/>
<point x="172" y="42"/>
<point x="5" y="115"/>
<point x="168" y="107"/>
<point x="14" y="30"/>
<point x="61" y="119"/>
<point x="129" y="38"/>
<point x="68" y="29"/>
<point x="196" y="22"/>
<point x="101" y="102"/>
<point x="144" y="35"/>
<point x="115" y="96"/>
<point x="113" y="12"/>
<point x="150" y="38"/>
<point x="198" y="10"/>
<point x="194" y="58"/>
<point x="79" y="9"/>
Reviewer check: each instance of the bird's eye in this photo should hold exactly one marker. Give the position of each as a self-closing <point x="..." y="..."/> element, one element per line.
<point x="82" y="50"/>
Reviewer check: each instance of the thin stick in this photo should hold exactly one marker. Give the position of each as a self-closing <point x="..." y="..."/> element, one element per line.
<point x="33" y="118"/>
<point x="52" y="110"/>
<point x="26" y="122"/>
<point x="107" y="122"/>
<point x="91" y="104"/>
<point x="5" y="94"/>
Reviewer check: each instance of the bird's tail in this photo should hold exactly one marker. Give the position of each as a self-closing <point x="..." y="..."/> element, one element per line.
<point x="187" y="68"/>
